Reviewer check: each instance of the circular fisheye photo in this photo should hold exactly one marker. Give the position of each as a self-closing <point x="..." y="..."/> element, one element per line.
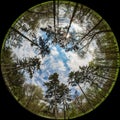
<point x="60" y="60"/>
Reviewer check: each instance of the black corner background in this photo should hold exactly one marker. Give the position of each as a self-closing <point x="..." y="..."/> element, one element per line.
<point x="10" y="11"/>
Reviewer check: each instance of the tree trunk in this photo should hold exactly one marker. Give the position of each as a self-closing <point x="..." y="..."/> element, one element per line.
<point x="55" y="104"/>
<point x="25" y="37"/>
<point x="71" y="20"/>
<point x="19" y="67"/>
<point x="110" y="67"/>
<point x="90" y="31"/>
<point x="57" y="13"/>
<point x="54" y="14"/>
<point x="86" y="97"/>
<point x="79" y="105"/>
<point x="28" y="102"/>
<point x="104" y="77"/>
<point x="64" y="109"/>
<point x="91" y="38"/>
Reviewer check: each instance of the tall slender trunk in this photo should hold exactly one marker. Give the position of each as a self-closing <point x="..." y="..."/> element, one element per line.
<point x="71" y="20"/>
<point x="90" y="14"/>
<point x="85" y="13"/>
<point x="57" y="13"/>
<point x="109" y="52"/>
<point x="54" y="14"/>
<point x="79" y="106"/>
<point x="13" y="69"/>
<point x="85" y="96"/>
<point x="32" y="96"/>
<point x="93" y="37"/>
<point x="100" y="88"/>
<point x="109" y="57"/>
<point x="28" y="102"/>
<point x="64" y="109"/>
<point x="110" y="67"/>
<point x="90" y="31"/>
<point x="104" y="77"/>
<point x="55" y="104"/>
<point x="18" y="68"/>
<point x="93" y="83"/>
<point x="25" y="37"/>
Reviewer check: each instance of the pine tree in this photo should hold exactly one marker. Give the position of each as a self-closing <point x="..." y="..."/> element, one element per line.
<point x="57" y="94"/>
<point x="52" y="91"/>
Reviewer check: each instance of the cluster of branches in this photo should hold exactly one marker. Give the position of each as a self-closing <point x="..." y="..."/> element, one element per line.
<point x="27" y="94"/>
<point x="29" y="65"/>
<point x="57" y="94"/>
<point x="97" y="30"/>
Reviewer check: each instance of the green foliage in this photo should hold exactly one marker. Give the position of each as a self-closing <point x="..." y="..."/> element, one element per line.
<point x="94" y="80"/>
<point x="13" y="78"/>
<point x="57" y="93"/>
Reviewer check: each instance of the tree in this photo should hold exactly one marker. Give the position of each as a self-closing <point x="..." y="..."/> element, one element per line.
<point x="75" y="79"/>
<point x="33" y="94"/>
<point x="64" y="98"/>
<point x="29" y="65"/>
<point x="54" y="23"/>
<point x="57" y="94"/>
<point x="52" y="91"/>
<point x="14" y="79"/>
<point x="77" y="105"/>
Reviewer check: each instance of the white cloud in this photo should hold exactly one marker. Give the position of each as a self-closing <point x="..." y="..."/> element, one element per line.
<point x="54" y="51"/>
<point x="78" y="28"/>
<point x="54" y="63"/>
<point x="74" y="61"/>
<point x="63" y="78"/>
<point x="61" y="65"/>
<point x="24" y="51"/>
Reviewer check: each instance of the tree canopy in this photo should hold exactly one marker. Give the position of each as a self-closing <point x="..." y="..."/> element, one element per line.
<point x="60" y="59"/>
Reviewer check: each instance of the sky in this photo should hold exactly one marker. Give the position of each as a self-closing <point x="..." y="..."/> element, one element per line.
<point x="58" y="60"/>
